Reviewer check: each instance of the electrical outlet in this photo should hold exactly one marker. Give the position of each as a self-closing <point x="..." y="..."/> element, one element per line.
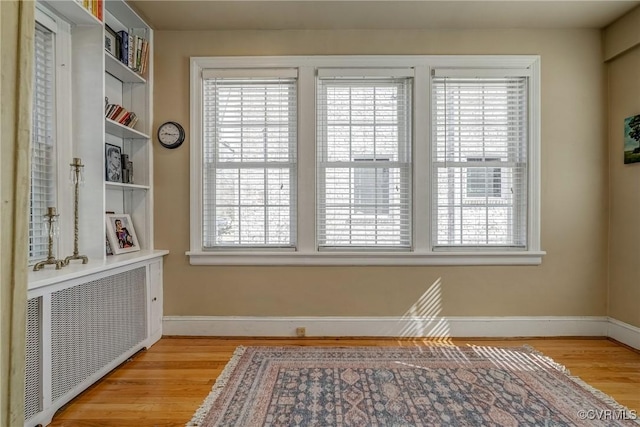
<point x="301" y="332"/>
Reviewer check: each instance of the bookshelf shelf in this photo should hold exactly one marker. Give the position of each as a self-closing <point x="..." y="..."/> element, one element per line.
<point x="120" y="185"/>
<point x="73" y="12"/>
<point x="116" y="129"/>
<point x="128" y="89"/>
<point x="124" y="14"/>
<point x="120" y="71"/>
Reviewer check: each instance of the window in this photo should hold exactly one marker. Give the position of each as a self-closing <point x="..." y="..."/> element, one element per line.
<point x="365" y="160"/>
<point x="50" y="133"/>
<point x="371" y="189"/>
<point x="483" y="181"/>
<point x="43" y="142"/>
<point x="249" y="161"/>
<point x="480" y="120"/>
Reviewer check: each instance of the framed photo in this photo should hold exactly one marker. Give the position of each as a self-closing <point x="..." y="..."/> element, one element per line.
<point x="632" y="139"/>
<point x="110" y="41"/>
<point x="112" y="163"/>
<point x="121" y="234"/>
<point x="107" y="246"/>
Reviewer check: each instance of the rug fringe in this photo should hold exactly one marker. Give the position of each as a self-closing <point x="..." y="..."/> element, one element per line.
<point x="581" y="383"/>
<point x="617" y="407"/>
<point x="220" y="383"/>
<point x="548" y="360"/>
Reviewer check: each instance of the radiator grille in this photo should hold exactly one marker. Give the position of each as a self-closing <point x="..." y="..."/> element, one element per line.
<point x="93" y="324"/>
<point x="33" y="363"/>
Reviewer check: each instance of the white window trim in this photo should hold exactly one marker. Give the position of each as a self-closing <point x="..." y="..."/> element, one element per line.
<point x="404" y="146"/>
<point x="63" y="119"/>
<point x="421" y="253"/>
<point x="281" y="164"/>
<point x="482" y="74"/>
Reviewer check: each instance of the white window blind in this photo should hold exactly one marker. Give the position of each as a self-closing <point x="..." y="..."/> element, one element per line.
<point x="479" y="185"/>
<point x="249" y="160"/>
<point x="364" y="161"/>
<point x="43" y="176"/>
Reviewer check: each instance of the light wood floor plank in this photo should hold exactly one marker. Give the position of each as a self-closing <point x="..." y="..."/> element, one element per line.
<point x="164" y="385"/>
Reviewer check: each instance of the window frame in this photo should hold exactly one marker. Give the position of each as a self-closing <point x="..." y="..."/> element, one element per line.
<point x="245" y="76"/>
<point x="421" y="252"/>
<point x="62" y="122"/>
<point x="481" y="76"/>
<point x="401" y="79"/>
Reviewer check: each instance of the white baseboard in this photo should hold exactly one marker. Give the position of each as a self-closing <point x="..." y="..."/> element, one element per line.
<point x="624" y="333"/>
<point x="543" y="326"/>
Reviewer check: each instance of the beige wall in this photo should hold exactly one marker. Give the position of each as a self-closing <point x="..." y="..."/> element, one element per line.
<point x="622" y="35"/>
<point x="572" y="278"/>
<point x="624" y="232"/>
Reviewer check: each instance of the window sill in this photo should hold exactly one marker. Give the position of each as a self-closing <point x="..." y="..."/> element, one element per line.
<point x="369" y="258"/>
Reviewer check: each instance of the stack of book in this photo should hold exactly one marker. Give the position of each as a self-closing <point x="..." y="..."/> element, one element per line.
<point x="132" y="49"/>
<point x="93" y="6"/>
<point x="119" y="114"/>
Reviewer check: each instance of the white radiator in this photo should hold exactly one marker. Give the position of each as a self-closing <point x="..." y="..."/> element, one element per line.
<point x="33" y="371"/>
<point x="94" y="323"/>
<point x="78" y="330"/>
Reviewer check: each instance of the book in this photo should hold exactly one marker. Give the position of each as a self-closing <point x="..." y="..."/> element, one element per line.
<point x="136" y="47"/>
<point x="133" y="122"/>
<point x="145" y="56"/>
<point x="124" y="117"/>
<point x="120" y="115"/>
<point x="114" y="112"/>
<point x="130" y="52"/>
<point x="129" y="121"/>
<point x="124" y="46"/>
<point x="139" y="40"/>
<point x="109" y="109"/>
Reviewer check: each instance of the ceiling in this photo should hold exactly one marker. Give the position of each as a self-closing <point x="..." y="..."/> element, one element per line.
<point x="387" y="14"/>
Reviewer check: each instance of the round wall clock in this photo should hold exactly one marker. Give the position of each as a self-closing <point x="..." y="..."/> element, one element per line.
<point x="171" y="135"/>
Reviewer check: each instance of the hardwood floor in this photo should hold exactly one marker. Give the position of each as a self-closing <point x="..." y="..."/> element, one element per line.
<point x="163" y="386"/>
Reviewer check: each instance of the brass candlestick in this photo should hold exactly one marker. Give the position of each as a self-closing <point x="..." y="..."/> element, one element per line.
<point x="77" y="179"/>
<point x="51" y="222"/>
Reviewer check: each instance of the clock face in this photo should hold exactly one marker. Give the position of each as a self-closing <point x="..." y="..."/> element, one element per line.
<point x="170" y="135"/>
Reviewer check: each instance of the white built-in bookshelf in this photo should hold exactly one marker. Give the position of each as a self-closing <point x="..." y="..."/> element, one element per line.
<point x="78" y="314"/>
<point x="98" y="76"/>
<point x="133" y="91"/>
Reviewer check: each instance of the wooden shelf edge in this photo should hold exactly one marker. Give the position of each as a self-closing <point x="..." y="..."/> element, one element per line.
<point x="117" y="129"/>
<point x="125" y="186"/>
<point x="119" y="70"/>
<point x="74" y="12"/>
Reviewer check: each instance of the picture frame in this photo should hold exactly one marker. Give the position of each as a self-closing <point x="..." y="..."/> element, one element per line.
<point x="110" y="41"/>
<point x="121" y="234"/>
<point x="632" y="139"/>
<point x="107" y="246"/>
<point x="112" y="163"/>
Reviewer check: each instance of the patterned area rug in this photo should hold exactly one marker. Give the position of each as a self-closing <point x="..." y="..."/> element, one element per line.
<point x="403" y="386"/>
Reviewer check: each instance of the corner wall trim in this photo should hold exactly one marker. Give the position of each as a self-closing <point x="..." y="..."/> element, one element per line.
<point x="400" y="326"/>
<point x="624" y="332"/>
